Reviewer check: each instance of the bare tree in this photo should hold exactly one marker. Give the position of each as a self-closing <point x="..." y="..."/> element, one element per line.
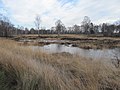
<point x="37" y="23"/>
<point x="5" y="26"/>
<point x="86" y="24"/>
<point x="59" y="26"/>
<point x="76" y="29"/>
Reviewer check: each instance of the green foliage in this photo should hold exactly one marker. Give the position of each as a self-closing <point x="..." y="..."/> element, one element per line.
<point x="3" y="81"/>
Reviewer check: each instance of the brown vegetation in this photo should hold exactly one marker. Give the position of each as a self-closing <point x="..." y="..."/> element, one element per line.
<point x="22" y="68"/>
<point x="82" y="41"/>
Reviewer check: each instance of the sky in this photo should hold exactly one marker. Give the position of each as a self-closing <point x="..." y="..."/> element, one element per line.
<point x="70" y="12"/>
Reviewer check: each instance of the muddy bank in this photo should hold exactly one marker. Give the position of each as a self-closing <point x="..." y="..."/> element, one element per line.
<point x="82" y="42"/>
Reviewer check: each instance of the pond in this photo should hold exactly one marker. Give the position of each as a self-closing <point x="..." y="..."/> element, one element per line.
<point x="89" y="53"/>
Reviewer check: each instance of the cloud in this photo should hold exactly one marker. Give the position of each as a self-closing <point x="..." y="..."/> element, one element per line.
<point x="70" y="12"/>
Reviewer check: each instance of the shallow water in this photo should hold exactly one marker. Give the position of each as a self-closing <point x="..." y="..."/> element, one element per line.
<point x="90" y="53"/>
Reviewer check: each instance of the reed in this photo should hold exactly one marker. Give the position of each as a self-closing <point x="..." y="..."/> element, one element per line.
<point x="22" y="68"/>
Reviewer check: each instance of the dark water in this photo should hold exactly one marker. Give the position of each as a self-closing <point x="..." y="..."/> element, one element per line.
<point x="90" y="53"/>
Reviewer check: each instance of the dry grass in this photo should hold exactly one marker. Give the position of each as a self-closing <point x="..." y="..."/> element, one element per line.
<point x="21" y="68"/>
<point x="81" y="36"/>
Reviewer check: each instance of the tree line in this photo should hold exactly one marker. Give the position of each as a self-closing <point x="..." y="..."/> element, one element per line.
<point x="7" y="29"/>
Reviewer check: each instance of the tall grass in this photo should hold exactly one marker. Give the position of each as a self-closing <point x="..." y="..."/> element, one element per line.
<point x="22" y="68"/>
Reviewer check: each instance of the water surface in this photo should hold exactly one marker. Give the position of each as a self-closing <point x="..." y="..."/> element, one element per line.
<point x="90" y="53"/>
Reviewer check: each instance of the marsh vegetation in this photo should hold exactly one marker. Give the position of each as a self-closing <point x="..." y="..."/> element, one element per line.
<point x="22" y="68"/>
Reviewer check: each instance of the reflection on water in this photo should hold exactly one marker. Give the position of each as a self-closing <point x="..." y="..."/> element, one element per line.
<point x="91" y="53"/>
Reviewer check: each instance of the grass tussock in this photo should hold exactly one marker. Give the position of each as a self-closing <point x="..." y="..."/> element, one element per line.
<point x="22" y="68"/>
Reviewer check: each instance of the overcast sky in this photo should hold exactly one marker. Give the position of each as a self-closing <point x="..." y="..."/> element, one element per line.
<point x="23" y="12"/>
